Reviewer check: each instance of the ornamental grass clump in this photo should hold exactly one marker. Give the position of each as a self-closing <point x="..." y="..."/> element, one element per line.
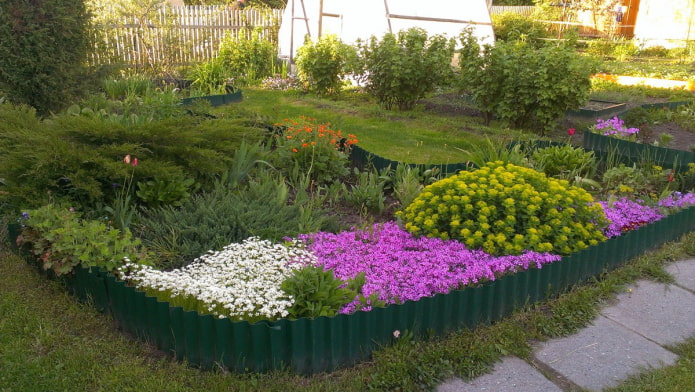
<point x="241" y="282"/>
<point x="505" y="209"/>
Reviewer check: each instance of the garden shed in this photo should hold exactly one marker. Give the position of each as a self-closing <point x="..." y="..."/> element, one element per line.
<point x="361" y="19"/>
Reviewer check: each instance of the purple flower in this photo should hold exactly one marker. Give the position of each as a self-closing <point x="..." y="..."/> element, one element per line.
<point x="678" y="200"/>
<point x="399" y="267"/>
<point x="625" y="215"/>
<point x="614" y="127"/>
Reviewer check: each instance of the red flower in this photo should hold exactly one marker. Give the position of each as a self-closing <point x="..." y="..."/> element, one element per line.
<point x="135" y="161"/>
<point x="571" y="131"/>
<point x="670" y="176"/>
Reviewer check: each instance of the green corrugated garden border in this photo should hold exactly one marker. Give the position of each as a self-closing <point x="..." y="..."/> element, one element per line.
<point x="216" y="100"/>
<point x="324" y="344"/>
<point x="631" y="152"/>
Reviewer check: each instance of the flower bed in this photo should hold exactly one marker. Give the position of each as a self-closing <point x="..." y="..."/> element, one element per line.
<point x="326" y="343"/>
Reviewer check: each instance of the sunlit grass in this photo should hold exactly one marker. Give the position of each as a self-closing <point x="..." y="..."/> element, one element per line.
<point x="414" y="136"/>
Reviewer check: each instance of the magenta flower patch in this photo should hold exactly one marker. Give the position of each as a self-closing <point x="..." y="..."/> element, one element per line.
<point x="401" y="267"/>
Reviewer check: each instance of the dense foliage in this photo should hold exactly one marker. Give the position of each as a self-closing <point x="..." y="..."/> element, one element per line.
<point x="510" y="26"/>
<point x="402" y="68"/>
<point x="78" y="158"/>
<point x="323" y="64"/>
<point x="505" y="209"/>
<point x="42" y="52"/>
<point x="248" y="58"/>
<point x="524" y="86"/>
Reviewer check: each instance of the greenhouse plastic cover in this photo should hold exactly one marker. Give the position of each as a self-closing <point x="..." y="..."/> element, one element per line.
<point x="361" y="19"/>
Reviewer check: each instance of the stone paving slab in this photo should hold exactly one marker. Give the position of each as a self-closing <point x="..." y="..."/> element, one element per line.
<point x="684" y="272"/>
<point x="602" y="354"/>
<point x="512" y="374"/>
<point x="662" y="313"/>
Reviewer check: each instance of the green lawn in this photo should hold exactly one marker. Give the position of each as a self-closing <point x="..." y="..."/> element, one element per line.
<point x="414" y="137"/>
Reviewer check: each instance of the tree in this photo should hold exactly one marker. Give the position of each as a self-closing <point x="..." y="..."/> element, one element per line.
<point x="43" y="52"/>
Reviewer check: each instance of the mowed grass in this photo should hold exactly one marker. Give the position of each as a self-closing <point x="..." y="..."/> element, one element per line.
<point x="50" y="342"/>
<point x="417" y="136"/>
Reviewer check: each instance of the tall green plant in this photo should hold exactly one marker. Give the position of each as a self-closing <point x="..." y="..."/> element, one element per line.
<point x="322" y="64"/>
<point x="248" y="59"/>
<point x="43" y="51"/>
<point x="523" y="86"/>
<point x="402" y="68"/>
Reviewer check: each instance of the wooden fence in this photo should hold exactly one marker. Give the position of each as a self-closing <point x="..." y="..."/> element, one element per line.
<point x="525" y="10"/>
<point x="177" y="35"/>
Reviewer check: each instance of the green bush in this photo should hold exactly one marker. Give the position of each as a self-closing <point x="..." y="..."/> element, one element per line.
<point x="209" y="78"/>
<point x="506" y="209"/>
<point x="43" y="52"/>
<point x="523" y="86"/>
<point x="80" y="158"/>
<point x="402" y="68"/>
<point x="62" y="240"/>
<point x="564" y="162"/>
<point x="250" y="59"/>
<point x="314" y="150"/>
<point x="317" y="292"/>
<point x="511" y="26"/>
<point x="321" y="65"/>
<point x="211" y="220"/>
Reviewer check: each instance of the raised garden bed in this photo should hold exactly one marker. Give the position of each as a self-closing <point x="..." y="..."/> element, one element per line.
<point x="596" y="108"/>
<point x="326" y="343"/>
<point x="323" y="344"/>
<point x="216" y="100"/>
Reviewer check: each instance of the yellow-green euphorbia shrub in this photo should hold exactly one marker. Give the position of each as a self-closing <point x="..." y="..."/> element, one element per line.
<point x="506" y="209"/>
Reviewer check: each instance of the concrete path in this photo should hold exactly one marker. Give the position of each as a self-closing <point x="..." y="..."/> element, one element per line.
<point x="629" y="336"/>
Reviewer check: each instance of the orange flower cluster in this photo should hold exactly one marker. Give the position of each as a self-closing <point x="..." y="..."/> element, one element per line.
<point x="307" y="133"/>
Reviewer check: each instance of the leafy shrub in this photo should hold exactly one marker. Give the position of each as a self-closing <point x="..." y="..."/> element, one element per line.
<point x="510" y="26"/>
<point x="159" y="192"/>
<point x="645" y="181"/>
<point x="248" y="59"/>
<point x="322" y="65"/>
<point x="209" y="78"/>
<point x="402" y="68"/>
<point x="521" y="85"/>
<point x="317" y="292"/>
<point x="62" y="240"/>
<point x="564" y="162"/>
<point x="505" y="209"/>
<point x="43" y="52"/>
<point x="314" y="149"/>
<point x="367" y="193"/>
<point x="211" y="220"/>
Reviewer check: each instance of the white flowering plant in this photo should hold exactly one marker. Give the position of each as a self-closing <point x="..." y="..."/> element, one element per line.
<point x="240" y="282"/>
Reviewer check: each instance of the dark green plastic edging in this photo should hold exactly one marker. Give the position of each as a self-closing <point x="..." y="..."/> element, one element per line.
<point x="324" y="344"/>
<point x="632" y="152"/>
<point x="216" y="100"/>
<point x="362" y="159"/>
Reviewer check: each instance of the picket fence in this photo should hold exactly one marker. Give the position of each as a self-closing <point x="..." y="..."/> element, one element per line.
<point x="177" y="35"/>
